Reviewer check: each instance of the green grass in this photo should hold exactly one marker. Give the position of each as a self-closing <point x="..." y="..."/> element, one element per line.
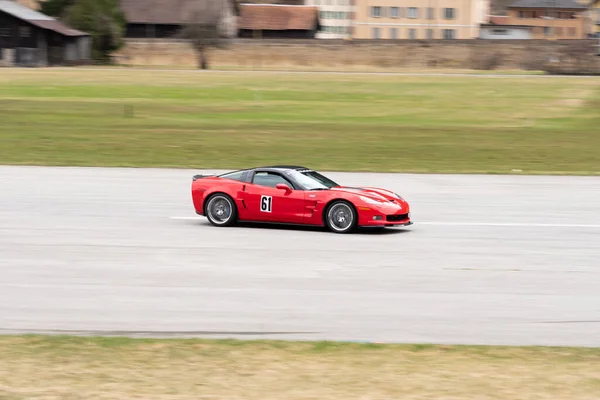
<point x="141" y="118"/>
<point x="63" y="367"/>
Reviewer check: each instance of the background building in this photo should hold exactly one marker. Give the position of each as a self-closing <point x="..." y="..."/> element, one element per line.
<point x="335" y="17"/>
<point x="595" y="18"/>
<point x="419" y="19"/>
<point x="505" y="32"/>
<point x="278" y="21"/>
<point x="29" y="38"/>
<point x="551" y="19"/>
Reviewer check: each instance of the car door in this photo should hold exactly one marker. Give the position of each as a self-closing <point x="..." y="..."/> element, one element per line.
<point x="265" y="202"/>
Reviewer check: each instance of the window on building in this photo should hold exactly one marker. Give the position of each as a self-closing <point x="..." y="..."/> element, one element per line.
<point x="547" y="30"/>
<point x="430" y="13"/>
<point x="572" y="31"/>
<point x="376" y="11"/>
<point x="449" y="13"/>
<point x="449" y="34"/>
<point x="394" y="33"/>
<point x="24" y="31"/>
<point x="394" y="12"/>
<point x="5" y="32"/>
<point x="430" y="34"/>
<point x="376" y="33"/>
<point x="526" y="14"/>
<point x="412" y="34"/>
<point x="559" y="31"/>
<point x="413" y="12"/>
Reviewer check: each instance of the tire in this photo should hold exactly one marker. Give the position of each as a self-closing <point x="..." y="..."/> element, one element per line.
<point x="221" y="210"/>
<point x="341" y="217"/>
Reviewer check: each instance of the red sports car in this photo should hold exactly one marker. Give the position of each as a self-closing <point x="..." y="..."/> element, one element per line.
<point x="294" y="195"/>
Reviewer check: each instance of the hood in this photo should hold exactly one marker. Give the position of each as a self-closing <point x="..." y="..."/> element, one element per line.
<point x="371" y="192"/>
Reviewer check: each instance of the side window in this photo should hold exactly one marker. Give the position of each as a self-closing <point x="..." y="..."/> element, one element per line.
<point x="269" y="179"/>
<point x="237" y="175"/>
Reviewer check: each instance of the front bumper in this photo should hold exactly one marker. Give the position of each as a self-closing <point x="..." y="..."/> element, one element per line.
<point x="380" y="219"/>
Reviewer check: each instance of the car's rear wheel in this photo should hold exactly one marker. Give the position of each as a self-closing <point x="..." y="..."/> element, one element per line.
<point x="221" y="210"/>
<point x="341" y="217"/>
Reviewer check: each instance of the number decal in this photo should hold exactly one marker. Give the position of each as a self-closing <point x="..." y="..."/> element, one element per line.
<point x="266" y="202"/>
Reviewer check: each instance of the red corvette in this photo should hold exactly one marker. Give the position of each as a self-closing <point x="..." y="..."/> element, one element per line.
<point x="294" y="195"/>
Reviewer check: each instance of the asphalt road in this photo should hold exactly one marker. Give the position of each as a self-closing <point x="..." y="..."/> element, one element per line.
<point x="490" y="260"/>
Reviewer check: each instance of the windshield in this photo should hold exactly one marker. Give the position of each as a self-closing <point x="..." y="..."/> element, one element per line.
<point x="312" y="180"/>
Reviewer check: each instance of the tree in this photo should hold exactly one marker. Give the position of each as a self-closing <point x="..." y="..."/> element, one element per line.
<point x="211" y="24"/>
<point x="55" y="8"/>
<point x="103" y="19"/>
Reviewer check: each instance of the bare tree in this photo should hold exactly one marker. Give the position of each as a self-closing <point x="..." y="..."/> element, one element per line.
<point x="211" y="24"/>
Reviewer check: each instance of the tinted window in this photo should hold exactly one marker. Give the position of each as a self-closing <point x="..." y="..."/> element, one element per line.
<point x="269" y="179"/>
<point x="236" y="175"/>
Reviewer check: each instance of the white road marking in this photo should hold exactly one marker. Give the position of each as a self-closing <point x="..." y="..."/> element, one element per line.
<point x="500" y="224"/>
<point x="509" y="224"/>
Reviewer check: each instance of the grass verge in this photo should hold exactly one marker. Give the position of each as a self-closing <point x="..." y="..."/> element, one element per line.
<point x="142" y="118"/>
<point x="62" y="367"/>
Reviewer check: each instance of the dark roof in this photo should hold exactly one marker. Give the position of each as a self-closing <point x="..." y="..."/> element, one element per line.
<point x="38" y="19"/>
<point x="172" y="12"/>
<point x="286" y="167"/>
<point x="278" y="17"/>
<point x="565" y="4"/>
<point x="58" y="27"/>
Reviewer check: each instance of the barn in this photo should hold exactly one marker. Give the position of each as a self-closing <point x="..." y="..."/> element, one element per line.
<point x="29" y="38"/>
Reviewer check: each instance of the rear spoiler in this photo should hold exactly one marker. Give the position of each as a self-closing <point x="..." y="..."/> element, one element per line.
<point x="200" y="176"/>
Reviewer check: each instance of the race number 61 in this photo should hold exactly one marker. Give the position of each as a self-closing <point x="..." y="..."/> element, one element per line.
<point x="266" y="202"/>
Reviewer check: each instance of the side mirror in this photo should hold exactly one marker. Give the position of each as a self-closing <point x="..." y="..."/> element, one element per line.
<point x="283" y="186"/>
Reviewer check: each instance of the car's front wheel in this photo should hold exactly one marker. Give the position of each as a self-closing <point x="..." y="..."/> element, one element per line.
<point x="341" y="217"/>
<point x="221" y="210"/>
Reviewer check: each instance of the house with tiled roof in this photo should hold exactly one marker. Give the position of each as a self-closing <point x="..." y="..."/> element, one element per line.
<point x="551" y="19"/>
<point x="165" y="18"/>
<point x="278" y="21"/>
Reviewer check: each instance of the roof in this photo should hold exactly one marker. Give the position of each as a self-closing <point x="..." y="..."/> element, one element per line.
<point x="38" y="19"/>
<point x="58" y="27"/>
<point x="566" y="4"/>
<point x="278" y="17"/>
<point x="171" y="12"/>
<point x="283" y="167"/>
<point x="19" y="11"/>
